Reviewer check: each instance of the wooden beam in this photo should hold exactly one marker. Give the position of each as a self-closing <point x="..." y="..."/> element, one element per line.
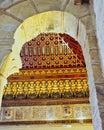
<point x="77" y="2"/>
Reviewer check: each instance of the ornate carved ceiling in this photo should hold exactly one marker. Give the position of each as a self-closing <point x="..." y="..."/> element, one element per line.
<point x="50" y="51"/>
<point x="53" y="67"/>
<point x="53" y="73"/>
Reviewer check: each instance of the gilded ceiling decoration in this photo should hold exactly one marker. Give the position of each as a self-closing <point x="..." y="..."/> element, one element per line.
<point x="53" y="74"/>
<point x="53" y="67"/>
<point x="43" y="89"/>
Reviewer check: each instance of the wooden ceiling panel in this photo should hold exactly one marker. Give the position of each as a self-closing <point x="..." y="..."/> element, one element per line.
<point x="51" y="51"/>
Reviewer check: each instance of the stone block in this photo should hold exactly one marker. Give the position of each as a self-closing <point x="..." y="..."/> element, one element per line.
<point x="22" y="10"/>
<point x="77" y="10"/>
<point x="8" y="24"/>
<point x="92" y="41"/>
<point x="100" y="94"/>
<point x="91" y="7"/>
<point x="47" y="5"/>
<point x="7" y="27"/>
<point x="6" y="3"/>
<point x="97" y="72"/>
<point x="87" y="21"/>
<point x="94" y="55"/>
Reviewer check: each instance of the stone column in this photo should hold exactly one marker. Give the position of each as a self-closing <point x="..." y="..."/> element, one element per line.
<point x="95" y="80"/>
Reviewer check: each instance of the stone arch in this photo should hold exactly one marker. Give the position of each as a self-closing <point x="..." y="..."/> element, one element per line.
<point x="56" y="21"/>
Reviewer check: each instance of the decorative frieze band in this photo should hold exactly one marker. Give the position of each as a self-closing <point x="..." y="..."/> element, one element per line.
<point x="68" y="112"/>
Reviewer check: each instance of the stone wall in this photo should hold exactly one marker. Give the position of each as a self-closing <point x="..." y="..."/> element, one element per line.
<point x="99" y="15"/>
<point x="99" y="12"/>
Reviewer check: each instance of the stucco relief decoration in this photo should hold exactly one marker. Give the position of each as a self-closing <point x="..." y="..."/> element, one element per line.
<point x="46" y="113"/>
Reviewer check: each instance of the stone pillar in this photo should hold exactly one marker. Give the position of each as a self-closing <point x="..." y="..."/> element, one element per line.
<point x="95" y="80"/>
<point x="87" y="39"/>
<point x="99" y="13"/>
<point x="94" y="76"/>
<point x="98" y="66"/>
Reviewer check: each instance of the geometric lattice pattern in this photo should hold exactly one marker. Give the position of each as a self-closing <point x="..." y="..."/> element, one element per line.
<point x="52" y="50"/>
